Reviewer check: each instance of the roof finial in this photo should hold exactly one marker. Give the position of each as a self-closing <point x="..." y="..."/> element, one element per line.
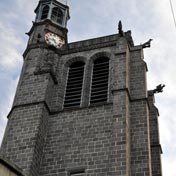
<point x="121" y="33"/>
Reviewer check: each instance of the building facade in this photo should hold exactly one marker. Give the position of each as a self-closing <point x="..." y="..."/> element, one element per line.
<point x="82" y="108"/>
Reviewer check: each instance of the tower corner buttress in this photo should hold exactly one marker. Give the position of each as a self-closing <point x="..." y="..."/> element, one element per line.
<point x="28" y="118"/>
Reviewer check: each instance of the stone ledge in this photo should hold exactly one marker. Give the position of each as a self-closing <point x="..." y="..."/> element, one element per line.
<point x="29" y="104"/>
<point x="157" y="146"/>
<point x="84" y="45"/>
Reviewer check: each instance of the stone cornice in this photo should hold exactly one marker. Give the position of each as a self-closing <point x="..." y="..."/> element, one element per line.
<point x="96" y="43"/>
<point x="45" y="23"/>
<point x="85" y="45"/>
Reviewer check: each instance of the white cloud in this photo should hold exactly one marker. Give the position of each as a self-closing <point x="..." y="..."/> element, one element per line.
<point x="9" y="56"/>
<point x="169" y="164"/>
<point x="161" y="62"/>
<point x="10" y="59"/>
<point x="7" y="92"/>
<point x="28" y="7"/>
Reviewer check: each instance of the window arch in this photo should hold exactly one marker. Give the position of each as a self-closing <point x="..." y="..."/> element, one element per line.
<point x="57" y="15"/>
<point x="100" y="79"/>
<point x="45" y="12"/>
<point x="73" y="93"/>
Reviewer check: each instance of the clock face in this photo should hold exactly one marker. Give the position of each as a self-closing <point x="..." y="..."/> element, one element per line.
<point x="54" y="40"/>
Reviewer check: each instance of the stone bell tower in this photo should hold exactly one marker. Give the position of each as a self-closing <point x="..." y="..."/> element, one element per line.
<point x="51" y="22"/>
<point x="82" y="108"/>
<point x="26" y="130"/>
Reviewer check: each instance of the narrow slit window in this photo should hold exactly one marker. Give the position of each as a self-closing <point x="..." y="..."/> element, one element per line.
<point x="74" y="86"/>
<point x="100" y="77"/>
<point x="57" y="15"/>
<point x="45" y="12"/>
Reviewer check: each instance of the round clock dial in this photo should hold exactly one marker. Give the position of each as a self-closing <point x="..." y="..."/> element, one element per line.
<point x="54" y="40"/>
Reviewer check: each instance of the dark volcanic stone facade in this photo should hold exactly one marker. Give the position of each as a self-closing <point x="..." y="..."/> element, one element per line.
<point x="116" y="138"/>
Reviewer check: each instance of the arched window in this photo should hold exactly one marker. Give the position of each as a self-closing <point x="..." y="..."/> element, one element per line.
<point x="100" y="76"/>
<point x="73" y="93"/>
<point x="57" y="15"/>
<point x="45" y="12"/>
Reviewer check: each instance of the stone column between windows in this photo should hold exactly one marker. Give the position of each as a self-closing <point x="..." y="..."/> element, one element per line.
<point x="121" y="135"/>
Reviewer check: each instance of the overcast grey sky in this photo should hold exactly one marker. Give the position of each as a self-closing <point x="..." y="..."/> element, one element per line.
<point x="93" y="18"/>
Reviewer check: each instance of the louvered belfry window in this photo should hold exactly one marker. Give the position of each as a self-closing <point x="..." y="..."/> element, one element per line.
<point x="45" y="12"/>
<point x="57" y="15"/>
<point x="74" y="86"/>
<point x="100" y="76"/>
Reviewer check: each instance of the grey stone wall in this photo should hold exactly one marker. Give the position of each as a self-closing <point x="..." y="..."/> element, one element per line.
<point x="108" y="139"/>
<point x="24" y="137"/>
<point x="81" y="138"/>
<point x="27" y="125"/>
<point x="138" y="69"/>
<point x="156" y="149"/>
<point x="140" y="141"/>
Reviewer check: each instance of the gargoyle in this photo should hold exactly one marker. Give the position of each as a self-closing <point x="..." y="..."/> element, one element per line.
<point x="147" y="44"/>
<point x="159" y="88"/>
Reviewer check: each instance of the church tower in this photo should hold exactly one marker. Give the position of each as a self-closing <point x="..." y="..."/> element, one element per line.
<point x="82" y="108"/>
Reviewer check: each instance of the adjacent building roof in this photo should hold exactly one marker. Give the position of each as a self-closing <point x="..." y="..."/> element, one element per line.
<point x="10" y="167"/>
